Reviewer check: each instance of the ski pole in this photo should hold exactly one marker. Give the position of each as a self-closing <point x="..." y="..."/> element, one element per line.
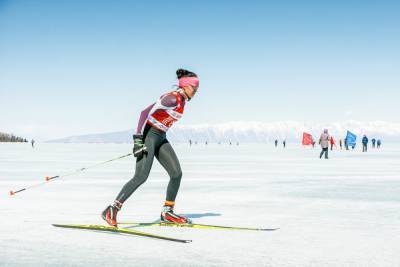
<point x="50" y="178"/>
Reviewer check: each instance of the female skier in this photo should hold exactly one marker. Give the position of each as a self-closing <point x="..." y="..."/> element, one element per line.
<point x="150" y="141"/>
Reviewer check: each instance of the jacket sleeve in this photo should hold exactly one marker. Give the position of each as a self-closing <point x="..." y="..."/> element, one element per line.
<point x="143" y="118"/>
<point x="168" y="101"/>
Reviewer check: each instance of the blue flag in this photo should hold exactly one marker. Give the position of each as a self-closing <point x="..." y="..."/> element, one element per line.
<point x="350" y="139"/>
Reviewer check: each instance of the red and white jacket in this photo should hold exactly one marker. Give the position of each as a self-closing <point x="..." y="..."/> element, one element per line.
<point x="164" y="113"/>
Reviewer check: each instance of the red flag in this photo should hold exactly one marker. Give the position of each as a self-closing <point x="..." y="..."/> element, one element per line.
<point x="307" y="139"/>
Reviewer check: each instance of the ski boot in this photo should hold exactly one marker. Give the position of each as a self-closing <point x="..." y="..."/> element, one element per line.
<point x="110" y="213"/>
<point x="168" y="216"/>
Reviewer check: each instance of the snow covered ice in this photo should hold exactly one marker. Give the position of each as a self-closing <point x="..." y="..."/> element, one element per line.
<point x="344" y="211"/>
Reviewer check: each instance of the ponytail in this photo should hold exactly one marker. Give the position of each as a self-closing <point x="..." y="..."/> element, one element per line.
<point x="181" y="73"/>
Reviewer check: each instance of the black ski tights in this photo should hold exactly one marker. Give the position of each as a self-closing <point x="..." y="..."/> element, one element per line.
<point x="157" y="146"/>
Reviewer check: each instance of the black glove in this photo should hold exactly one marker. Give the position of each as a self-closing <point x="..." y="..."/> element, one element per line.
<point x="138" y="145"/>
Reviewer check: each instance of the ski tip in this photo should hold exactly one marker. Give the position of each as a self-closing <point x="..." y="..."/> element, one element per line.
<point x="269" y="229"/>
<point x="59" y="225"/>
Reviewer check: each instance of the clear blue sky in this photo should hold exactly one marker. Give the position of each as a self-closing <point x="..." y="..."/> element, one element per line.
<point x="77" y="67"/>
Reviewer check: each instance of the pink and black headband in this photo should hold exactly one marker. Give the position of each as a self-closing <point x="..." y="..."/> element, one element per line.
<point x="186" y="81"/>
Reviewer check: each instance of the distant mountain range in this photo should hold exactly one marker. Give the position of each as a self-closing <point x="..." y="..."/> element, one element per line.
<point x="255" y="132"/>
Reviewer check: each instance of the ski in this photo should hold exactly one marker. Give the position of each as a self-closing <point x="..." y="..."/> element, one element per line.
<point x="196" y="225"/>
<point x="120" y="230"/>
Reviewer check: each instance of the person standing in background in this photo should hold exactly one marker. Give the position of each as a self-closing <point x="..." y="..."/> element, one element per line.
<point x="378" y="143"/>
<point x="364" y="143"/>
<point x="324" y="142"/>
<point x="331" y="142"/>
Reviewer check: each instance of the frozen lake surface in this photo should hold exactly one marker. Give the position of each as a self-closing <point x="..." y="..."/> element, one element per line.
<point x="344" y="211"/>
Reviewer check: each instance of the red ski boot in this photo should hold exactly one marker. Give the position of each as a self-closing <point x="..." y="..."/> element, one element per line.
<point x="168" y="216"/>
<point x="110" y="213"/>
